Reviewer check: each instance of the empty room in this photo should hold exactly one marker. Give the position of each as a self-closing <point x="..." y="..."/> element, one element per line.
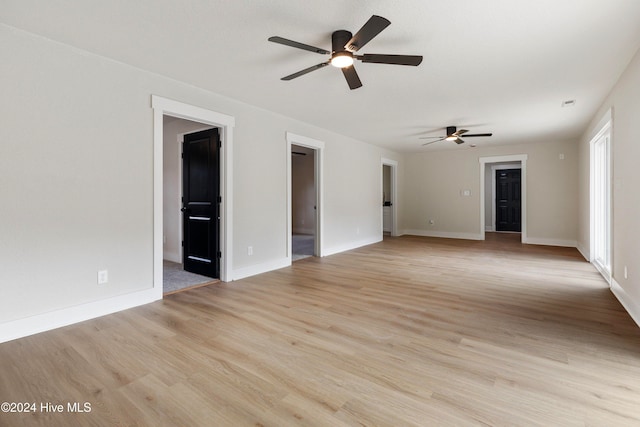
<point x="335" y="213"/>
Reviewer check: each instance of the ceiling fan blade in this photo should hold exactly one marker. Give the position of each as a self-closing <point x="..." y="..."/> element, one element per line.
<point x="431" y="142"/>
<point x="352" y="77"/>
<point x="391" y="59"/>
<point x="305" y="71"/>
<point x="460" y="132"/>
<point x="433" y="137"/>
<point x="298" y="45"/>
<point x="369" y="30"/>
<point x="459" y="141"/>
<point x="478" y="134"/>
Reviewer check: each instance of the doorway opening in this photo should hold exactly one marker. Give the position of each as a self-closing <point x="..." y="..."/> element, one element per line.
<point x="303" y="202"/>
<point x="191" y="187"/>
<point x="389" y="202"/>
<point x="600" y="196"/>
<point x="503" y="195"/>
<point x="505" y="205"/>
<point x="167" y="217"/>
<point x="304" y="211"/>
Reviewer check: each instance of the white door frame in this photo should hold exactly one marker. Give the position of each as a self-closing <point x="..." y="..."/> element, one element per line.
<point x="393" y="164"/>
<point x="161" y="107"/>
<point x="603" y="128"/>
<point x="318" y="147"/>
<point x="522" y="158"/>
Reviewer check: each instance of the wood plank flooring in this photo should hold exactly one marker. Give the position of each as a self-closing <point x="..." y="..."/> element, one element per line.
<point x="411" y="331"/>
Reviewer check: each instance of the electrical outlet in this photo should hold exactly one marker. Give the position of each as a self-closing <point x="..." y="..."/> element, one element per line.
<point x="249" y="250"/>
<point x="103" y="277"/>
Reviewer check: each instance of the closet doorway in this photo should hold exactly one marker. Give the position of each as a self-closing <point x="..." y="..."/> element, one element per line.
<point x="303" y="202"/>
<point x="304" y="210"/>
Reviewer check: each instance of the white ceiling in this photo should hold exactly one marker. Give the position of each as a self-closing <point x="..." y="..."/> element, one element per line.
<point x="501" y="66"/>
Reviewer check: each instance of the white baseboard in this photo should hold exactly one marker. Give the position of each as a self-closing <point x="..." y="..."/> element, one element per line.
<point x="584" y="252"/>
<point x="172" y="256"/>
<point x="264" y="267"/>
<point x="56" y="319"/>
<point x="550" y="242"/>
<point x="351" y="245"/>
<point x="444" y="234"/>
<point x="489" y="228"/>
<point x="627" y="302"/>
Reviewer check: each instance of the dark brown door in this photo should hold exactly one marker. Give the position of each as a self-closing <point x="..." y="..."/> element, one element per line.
<point x="508" y="200"/>
<point x="201" y="202"/>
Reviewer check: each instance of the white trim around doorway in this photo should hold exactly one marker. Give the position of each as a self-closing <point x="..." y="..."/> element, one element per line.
<point x="318" y="146"/>
<point x="522" y="158"/>
<point x="167" y="107"/>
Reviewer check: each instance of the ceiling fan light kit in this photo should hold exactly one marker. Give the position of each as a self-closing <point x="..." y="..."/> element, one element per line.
<point x="342" y="60"/>
<point x="341" y="57"/>
<point x="343" y="45"/>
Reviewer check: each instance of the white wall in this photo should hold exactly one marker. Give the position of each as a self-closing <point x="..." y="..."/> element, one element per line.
<point x="624" y="101"/>
<point x="76" y="178"/>
<point x="433" y="181"/>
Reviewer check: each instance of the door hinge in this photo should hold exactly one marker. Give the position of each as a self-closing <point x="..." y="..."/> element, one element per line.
<point x="219" y="143"/>
<point x="219" y="254"/>
<point x="219" y="199"/>
<point x="182" y="243"/>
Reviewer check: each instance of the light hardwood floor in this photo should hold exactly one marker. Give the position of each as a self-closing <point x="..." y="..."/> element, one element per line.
<point x="410" y="331"/>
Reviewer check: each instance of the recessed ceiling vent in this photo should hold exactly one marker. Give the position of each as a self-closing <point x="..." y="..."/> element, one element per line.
<point x="569" y="103"/>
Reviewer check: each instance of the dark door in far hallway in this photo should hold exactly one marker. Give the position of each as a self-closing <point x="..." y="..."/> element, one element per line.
<point x="201" y="202"/>
<point x="508" y="200"/>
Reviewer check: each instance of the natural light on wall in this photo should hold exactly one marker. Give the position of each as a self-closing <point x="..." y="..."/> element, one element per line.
<point x="601" y="201"/>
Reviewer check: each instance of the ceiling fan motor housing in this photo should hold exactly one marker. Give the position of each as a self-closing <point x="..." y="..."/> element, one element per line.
<point x="338" y="41"/>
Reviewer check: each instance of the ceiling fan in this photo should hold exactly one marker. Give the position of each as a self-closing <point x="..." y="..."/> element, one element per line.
<point x="454" y="135"/>
<point x="344" y="44"/>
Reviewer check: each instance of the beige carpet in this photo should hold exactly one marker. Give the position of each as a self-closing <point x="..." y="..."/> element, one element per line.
<point x="175" y="278"/>
<point x="302" y="246"/>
